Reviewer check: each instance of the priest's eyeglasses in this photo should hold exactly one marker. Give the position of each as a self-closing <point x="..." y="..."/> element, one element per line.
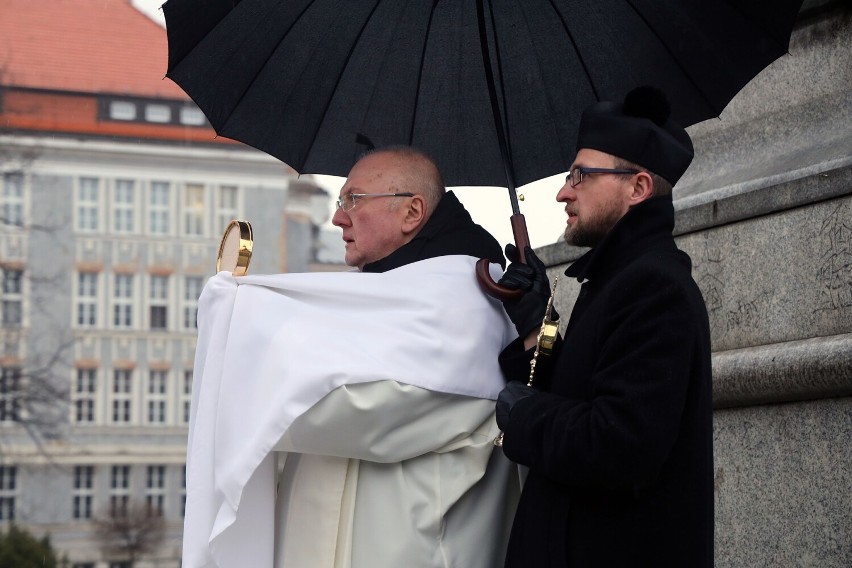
<point x="575" y="176"/>
<point x="347" y="202"/>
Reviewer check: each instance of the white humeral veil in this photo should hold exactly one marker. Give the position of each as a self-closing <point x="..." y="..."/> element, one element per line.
<point x="272" y="347"/>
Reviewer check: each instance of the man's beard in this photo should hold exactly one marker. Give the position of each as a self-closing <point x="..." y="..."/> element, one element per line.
<point x="591" y="232"/>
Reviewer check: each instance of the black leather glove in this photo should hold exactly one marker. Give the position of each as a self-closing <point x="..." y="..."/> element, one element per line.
<point x="527" y="312"/>
<point x="508" y="397"/>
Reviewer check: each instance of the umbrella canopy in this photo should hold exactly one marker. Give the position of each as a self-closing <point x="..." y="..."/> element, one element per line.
<point x="314" y="82"/>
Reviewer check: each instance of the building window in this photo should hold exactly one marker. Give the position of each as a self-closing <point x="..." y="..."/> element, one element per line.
<point x="122" y="110"/>
<point x="123" y="301"/>
<point x="8" y="491"/>
<point x="159" y="298"/>
<point x="155" y="489"/>
<point x="158" y="317"/>
<point x="122" y="390"/>
<point x="193" y="210"/>
<point x="159" y="213"/>
<point x="158" y="113"/>
<point x="123" y="205"/>
<point x="192" y="116"/>
<point x="13" y="199"/>
<point x="83" y="492"/>
<point x="84" y="395"/>
<point x="88" y="200"/>
<point x="157" y="383"/>
<point x="191" y="292"/>
<point x="84" y="410"/>
<point x="186" y="395"/>
<point x="87" y="299"/>
<point x="10" y="394"/>
<point x="227" y="206"/>
<point x="119" y="490"/>
<point x="12" y="297"/>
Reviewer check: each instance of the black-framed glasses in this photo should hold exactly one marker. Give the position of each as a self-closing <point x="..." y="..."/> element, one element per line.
<point x="575" y="176"/>
<point x="347" y="202"/>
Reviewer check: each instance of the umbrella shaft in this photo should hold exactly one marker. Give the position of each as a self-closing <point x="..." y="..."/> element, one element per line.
<point x="513" y="195"/>
<point x="495" y="107"/>
<point x="522" y="237"/>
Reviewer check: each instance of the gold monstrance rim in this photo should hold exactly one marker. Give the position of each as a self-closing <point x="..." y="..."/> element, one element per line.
<point x="235" y="248"/>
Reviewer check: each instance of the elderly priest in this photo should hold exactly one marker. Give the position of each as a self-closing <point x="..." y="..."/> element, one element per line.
<point x="347" y="420"/>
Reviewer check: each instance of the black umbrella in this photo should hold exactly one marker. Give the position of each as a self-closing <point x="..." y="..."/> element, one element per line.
<point x="491" y="89"/>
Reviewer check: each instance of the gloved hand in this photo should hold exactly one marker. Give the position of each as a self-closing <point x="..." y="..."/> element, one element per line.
<point x="508" y="397"/>
<point x="527" y="312"/>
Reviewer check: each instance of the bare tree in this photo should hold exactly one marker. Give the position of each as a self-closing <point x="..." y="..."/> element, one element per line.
<point x="34" y="389"/>
<point x="130" y="532"/>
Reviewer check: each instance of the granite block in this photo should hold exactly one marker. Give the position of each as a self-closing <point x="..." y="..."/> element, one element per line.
<point x="810" y="369"/>
<point x="776" y="278"/>
<point x="783" y="485"/>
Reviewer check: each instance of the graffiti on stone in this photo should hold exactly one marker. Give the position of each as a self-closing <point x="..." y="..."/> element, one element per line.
<point x="748" y="313"/>
<point x="707" y="262"/>
<point x="834" y="274"/>
<point x="711" y="288"/>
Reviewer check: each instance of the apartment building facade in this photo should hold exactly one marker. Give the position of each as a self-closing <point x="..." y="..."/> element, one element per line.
<point x="115" y="193"/>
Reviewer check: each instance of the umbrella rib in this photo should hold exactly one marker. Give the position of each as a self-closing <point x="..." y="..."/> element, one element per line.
<point x="546" y="92"/>
<point x="420" y="73"/>
<point x="504" y="110"/>
<point x="495" y="105"/>
<point x="759" y="24"/>
<point x="577" y="51"/>
<point x="683" y="68"/>
<point x="258" y="72"/>
<point x="337" y="82"/>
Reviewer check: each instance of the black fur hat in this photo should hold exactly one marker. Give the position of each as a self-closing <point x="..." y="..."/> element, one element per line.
<point x="638" y="130"/>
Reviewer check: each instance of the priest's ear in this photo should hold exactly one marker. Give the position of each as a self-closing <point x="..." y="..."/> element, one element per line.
<point x="643" y="188"/>
<point x="415" y="215"/>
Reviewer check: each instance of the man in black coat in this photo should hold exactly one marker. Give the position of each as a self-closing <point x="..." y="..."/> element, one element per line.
<point x="617" y="428"/>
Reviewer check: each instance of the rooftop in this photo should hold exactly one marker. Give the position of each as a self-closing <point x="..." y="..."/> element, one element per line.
<point x="90" y="46"/>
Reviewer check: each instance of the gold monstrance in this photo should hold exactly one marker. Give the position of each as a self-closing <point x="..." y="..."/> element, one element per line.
<point x="235" y="248"/>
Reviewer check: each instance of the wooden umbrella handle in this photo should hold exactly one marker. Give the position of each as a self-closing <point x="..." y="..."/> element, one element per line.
<point x="483" y="275"/>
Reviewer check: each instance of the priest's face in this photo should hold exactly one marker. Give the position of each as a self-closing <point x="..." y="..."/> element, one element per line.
<point x="596" y="204"/>
<point x="372" y="229"/>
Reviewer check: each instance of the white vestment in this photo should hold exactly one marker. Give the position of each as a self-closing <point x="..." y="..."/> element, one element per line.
<point x="365" y="401"/>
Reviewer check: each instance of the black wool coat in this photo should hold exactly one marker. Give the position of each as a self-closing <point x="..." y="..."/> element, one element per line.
<point x="619" y="440"/>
